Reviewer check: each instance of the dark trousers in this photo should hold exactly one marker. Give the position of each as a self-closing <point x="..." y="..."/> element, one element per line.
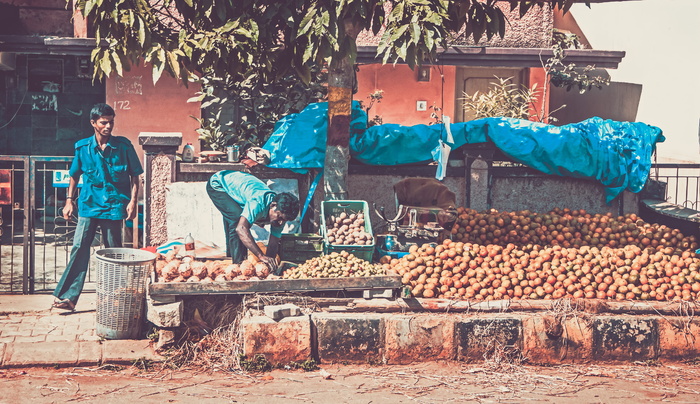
<point x="231" y="212"/>
<point x="71" y="284"/>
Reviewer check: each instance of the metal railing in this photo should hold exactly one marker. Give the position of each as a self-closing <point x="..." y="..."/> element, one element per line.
<point x="682" y="183"/>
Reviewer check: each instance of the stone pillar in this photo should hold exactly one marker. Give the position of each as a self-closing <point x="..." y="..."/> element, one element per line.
<point x="160" y="169"/>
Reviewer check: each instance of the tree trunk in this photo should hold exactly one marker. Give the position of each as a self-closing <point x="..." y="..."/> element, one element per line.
<point x="340" y="88"/>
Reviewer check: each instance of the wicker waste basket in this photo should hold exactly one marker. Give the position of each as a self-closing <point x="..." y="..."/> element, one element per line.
<point x="121" y="291"/>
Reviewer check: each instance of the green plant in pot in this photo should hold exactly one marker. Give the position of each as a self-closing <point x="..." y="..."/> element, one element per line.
<point x="212" y="134"/>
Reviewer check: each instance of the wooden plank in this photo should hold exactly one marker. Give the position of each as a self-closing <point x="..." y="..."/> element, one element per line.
<point x="276" y="285"/>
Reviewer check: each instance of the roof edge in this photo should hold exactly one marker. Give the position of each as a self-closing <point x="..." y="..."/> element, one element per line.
<point x="46" y="45"/>
<point x="483" y="56"/>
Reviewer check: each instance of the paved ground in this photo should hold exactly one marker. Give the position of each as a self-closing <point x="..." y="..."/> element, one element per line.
<point x="433" y="382"/>
<point x="31" y="334"/>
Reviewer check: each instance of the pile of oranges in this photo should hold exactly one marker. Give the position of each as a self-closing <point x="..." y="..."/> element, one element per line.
<point x="520" y="255"/>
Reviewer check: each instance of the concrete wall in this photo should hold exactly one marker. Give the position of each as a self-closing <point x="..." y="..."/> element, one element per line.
<point x="618" y="101"/>
<point x="46" y="120"/>
<point x="379" y="190"/>
<point x="143" y="107"/>
<point x="402" y="91"/>
<point x="544" y="193"/>
<point x="191" y="211"/>
<point x="36" y="17"/>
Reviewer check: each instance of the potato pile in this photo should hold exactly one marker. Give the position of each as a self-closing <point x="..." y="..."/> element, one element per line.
<point x="565" y="227"/>
<point x="334" y="265"/>
<point x="347" y="229"/>
<point x="459" y="270"/>
<point x="170" y="268"/>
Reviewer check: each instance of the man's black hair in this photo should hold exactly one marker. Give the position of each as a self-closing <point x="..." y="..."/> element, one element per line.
<point x="287" y="204"/>
<point x="99" y="110"/>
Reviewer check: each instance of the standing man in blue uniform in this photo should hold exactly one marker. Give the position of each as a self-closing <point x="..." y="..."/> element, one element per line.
<point x="243" y="200"/>
<point x="110" y="169"/>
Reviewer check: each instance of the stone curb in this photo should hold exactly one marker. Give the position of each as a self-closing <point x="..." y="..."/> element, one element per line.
<point x="76" y="353"/>
<point x="542" y="338"/>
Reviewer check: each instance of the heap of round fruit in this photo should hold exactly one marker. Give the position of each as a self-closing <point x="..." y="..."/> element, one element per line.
<point x="334" y="265"/>
<point x="347" y="229"/>
<point x="170" y="268"/>
<point x="459" y="270"/>
<point x="565" y="227"/>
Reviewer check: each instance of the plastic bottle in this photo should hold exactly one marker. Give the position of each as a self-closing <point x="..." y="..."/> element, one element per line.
<point x="189" y="244"/>
<point x="188" y="153"/>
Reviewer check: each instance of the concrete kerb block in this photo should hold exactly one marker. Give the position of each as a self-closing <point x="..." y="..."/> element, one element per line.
<point x="165" y="338"/>
<point x="89" y="353"/>
<point x="343" y="337"/>
<point x="126" y="351"/>
<point x="679" y="338"/>
<point x="281" y="342"/>
<point x="550" y="339"/>
<point x="58" y="353"/>
<point x="480" y="338"/>
<point x="621" y="338"/>
<point x="162" y="314"/>
<point x="280" y="311"/>
<point x="419" y="338"/>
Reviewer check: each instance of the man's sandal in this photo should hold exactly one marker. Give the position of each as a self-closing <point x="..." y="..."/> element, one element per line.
<point x="64" y="305"/>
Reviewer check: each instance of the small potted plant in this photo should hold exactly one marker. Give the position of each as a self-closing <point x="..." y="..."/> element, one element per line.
<point x="213" y="137"/>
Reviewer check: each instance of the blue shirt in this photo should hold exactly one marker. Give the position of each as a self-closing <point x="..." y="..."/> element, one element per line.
<point x="106" y="175"/>
<point x="249" y="192"/>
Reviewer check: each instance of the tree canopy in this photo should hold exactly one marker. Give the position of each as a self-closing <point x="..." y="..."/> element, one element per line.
<point x="229" y="37"/>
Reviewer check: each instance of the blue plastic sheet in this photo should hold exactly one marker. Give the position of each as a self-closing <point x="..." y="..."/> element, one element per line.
<point x="617" y="154"/>
<point x="298" y="141"/>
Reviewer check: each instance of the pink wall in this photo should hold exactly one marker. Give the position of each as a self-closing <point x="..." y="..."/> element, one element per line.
<point x="142" y="107"/>
<point x="402" y="90"/>
<point x="538" y="77"/>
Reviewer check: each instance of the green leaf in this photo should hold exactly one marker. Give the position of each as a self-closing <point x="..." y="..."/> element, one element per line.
<point x="158" y="67"/>
<point x="229" y="26"/>
<point x="89" y="5"/>
<point x="415" y="32"/>
<point x="524" y="8"/>
<point x="105" y="64"/>
<point x="174" y="64"/>
<point x="117" y="62"/>
<point x="401" y="51"/>
<point x="306" y="22"/>
<point x="142" y="32"/>
<point x="501" y="23"/>
<point x="429" y="40"/>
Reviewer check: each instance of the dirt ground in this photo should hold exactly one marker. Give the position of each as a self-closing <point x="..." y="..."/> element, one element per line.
<point x="421" y="383"/>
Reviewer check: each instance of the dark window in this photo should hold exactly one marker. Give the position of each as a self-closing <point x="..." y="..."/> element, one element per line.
<point x="45" y="75"/>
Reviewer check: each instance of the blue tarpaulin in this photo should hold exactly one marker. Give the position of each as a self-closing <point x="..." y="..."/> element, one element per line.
<point x="618" y="154"/>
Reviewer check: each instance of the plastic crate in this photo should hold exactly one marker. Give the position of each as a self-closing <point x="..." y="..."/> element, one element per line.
<point x="329" y="208"/>
<point x="299" y="247"/>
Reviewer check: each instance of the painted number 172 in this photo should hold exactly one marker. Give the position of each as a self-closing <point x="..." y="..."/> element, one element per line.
<point x="122" y="104"/>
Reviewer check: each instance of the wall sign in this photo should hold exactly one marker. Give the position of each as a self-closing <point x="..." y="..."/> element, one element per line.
<point x="61" y="179"/>
<point x="44" y="102"/>
<point x="128" y="85"/>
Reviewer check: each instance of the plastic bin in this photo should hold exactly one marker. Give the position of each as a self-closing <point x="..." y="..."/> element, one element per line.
<point x="121" y="291"/>
<point x="299" y="247"/>
<point x="329" y="208"/>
